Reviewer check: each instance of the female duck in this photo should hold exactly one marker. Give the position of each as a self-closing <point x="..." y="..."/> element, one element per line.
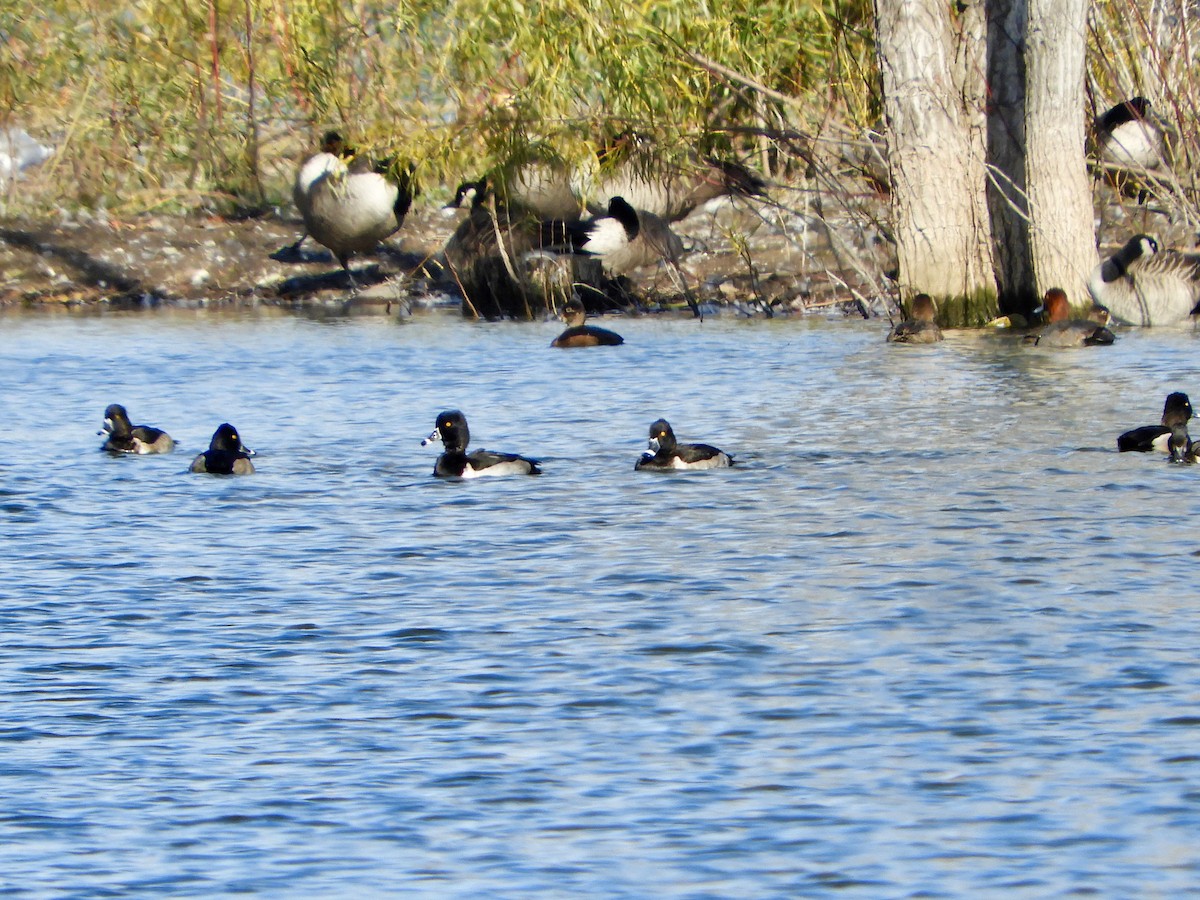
<point x="1141" y="285"/>
<point x="226" y="454"/>
<point x="1177" y="411"/>
<point x="451" y="429"/>
<point x="125" y="437"/>
<point x="1063" y="331"/>
<point x="581" y="335"/>
<point x="921" y="327"/>
<point x="664" y="452"/>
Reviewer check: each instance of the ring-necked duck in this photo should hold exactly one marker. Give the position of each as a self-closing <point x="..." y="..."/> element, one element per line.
<point x="581" y="335"/>
<point x="1176" y="412"/>
<point x="350" y="208"/>
<point x="226" y="454"/>
<point x="454" y="462"/>
<point x="1063" y="331"/>
<point x="920" y="328"/>
<point x="664" y="452"/>
<point x="125" y="437"/>
<point x="1143" y="285"/>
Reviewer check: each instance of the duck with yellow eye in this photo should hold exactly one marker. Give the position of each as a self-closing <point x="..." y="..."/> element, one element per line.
<point x="226" y="454"/>
<point x="664" y="453"/>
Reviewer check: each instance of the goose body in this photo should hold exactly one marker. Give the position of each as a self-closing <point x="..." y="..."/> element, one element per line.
<point x="552" y="191"/>
<point x="1143" y="285"/>
<point x="487" y="228"/>
<point x="351" y="208"/>
<point x="1128" y="137"/>
<point x="920" y="327"/>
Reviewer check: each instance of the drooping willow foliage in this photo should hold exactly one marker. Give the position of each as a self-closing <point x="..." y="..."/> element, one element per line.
<point x="208" y="103"/>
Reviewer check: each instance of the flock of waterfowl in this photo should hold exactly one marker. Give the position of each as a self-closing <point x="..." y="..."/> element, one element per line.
<point x="227" y="455"/>
<point x="621" y="214"/>
<point x="349" y="205"/>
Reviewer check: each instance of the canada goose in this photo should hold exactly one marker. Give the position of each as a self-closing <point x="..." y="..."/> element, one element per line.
<point x="351" y="208"/>
<point x="606" y="236"/>
<point x="920" y="327"/>
<point x="664" y="452"/>
<point x="125" y="437"/>
<point x="480" y="233"/>
<point x="1177" y="410"/>
<point x="1063" y="331"/>
<point x="580" y="335"/>
<point x="1141" y="285"/>
<point x="313" y="167"/>
<point x="454" y="462"/>
<point x="1128" y="137"/>
<point x="552" y="191"/>
<point x="676" y="194"/>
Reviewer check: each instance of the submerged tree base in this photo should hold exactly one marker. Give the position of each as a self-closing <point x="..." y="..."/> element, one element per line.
<point x="973" y="310"/>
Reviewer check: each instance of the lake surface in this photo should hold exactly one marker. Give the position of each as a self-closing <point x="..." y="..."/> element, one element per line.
<point x="931" y="637"/>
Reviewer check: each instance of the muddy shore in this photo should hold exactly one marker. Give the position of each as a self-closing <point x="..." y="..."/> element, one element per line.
<point x="752" y="259"/>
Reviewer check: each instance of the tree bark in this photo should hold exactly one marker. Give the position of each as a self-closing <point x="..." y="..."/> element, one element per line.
<point x="943" y="241"/>
<point x="1062" y="239"/>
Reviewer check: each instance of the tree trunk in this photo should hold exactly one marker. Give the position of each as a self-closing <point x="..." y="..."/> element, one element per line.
<point x="1062" y="239"/>
<point x="1040" y="195"/>
<point x="943" y="241"/>
<point x="1007" y="191"/>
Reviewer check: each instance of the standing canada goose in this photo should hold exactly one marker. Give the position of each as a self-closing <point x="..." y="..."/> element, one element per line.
<point x="454" y="462"/>
<point x="1177" y="411"/>
<point x="920" y="327"/>
<point x="580" y="335"/>
<point x="226" y="454"/>
<point x="332" y="145"/>
<point x="664" y="452"/>
<point x="1063" y="331"/>
<point x="1141" y="285"/>
<point x="350" y="208"/>
<point x="125" y="437"/>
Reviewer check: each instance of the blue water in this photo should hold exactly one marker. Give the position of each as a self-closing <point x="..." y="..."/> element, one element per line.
<point x="932" y="637"/>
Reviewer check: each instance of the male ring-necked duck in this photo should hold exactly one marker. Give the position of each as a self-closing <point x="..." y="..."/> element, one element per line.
<point x="454" y="462"/>
<point x="1063" y="331"/>
<point x="125" y="437"/>
<point x="664" y="452"/>
<point x="226" y="454"/>
<point x="581" y="335"/>
<point x="920" y="328"/>
<point x="1176" y="412"/>
<point x="1141" y="284"/>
